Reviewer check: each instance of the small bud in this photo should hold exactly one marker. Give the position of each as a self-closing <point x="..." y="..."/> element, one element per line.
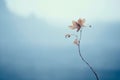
<point x="90" y="26"/>
<point x="76" y="41"/>
<point x="67" y="36"/>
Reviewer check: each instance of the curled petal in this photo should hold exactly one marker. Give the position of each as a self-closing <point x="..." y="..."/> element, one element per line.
<point x="74" y="23"/>
<point x="81" y="21"/>
<point x="76" y="41"/>
<point x="72" y="27"/>
<point x="67" y="36"/>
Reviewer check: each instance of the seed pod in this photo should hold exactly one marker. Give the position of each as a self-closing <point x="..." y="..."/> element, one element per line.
<point x="67" y="36"/>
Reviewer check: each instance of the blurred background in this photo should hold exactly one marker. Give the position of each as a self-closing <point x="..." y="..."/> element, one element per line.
<point x="33" y="46"/>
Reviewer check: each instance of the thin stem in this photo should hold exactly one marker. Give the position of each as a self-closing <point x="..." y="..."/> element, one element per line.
<point x="80" y="34"/>
<point x="97" y="78"/>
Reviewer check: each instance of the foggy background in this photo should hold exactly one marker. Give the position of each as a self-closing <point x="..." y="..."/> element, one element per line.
<point x="33" y="49"/>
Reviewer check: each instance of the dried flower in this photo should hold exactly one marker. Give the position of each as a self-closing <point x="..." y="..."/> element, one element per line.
<point x="77" y="24"/>
<point x="76" y="41"/>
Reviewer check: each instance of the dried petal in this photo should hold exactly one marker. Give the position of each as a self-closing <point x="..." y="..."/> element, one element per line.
<point x="72" y="27"/>
<point x="74" y="23"/>
<point x="76" y="41"/>
<point x="81" y="22"/>
<point x="75" y="26"/>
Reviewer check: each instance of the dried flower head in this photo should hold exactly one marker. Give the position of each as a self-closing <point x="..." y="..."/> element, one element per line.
<point x="76" y="41"/>
<point x="77" y="24"/>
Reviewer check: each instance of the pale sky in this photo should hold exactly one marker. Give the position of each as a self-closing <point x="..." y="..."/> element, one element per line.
<point x="63" y="10"/>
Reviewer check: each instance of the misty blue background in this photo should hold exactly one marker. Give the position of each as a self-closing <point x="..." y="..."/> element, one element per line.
<point x="32" y="49"/>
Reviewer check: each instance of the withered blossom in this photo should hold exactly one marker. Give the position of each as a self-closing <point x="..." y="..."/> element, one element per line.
<point x="76" y="41"/>
<point x="78" y="25"/>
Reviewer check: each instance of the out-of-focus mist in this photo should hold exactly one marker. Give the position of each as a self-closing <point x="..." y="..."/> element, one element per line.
<point x="32" y="49"/>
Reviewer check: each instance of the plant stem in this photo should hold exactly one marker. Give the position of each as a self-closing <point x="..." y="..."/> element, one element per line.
<point x="97" y="78"/>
